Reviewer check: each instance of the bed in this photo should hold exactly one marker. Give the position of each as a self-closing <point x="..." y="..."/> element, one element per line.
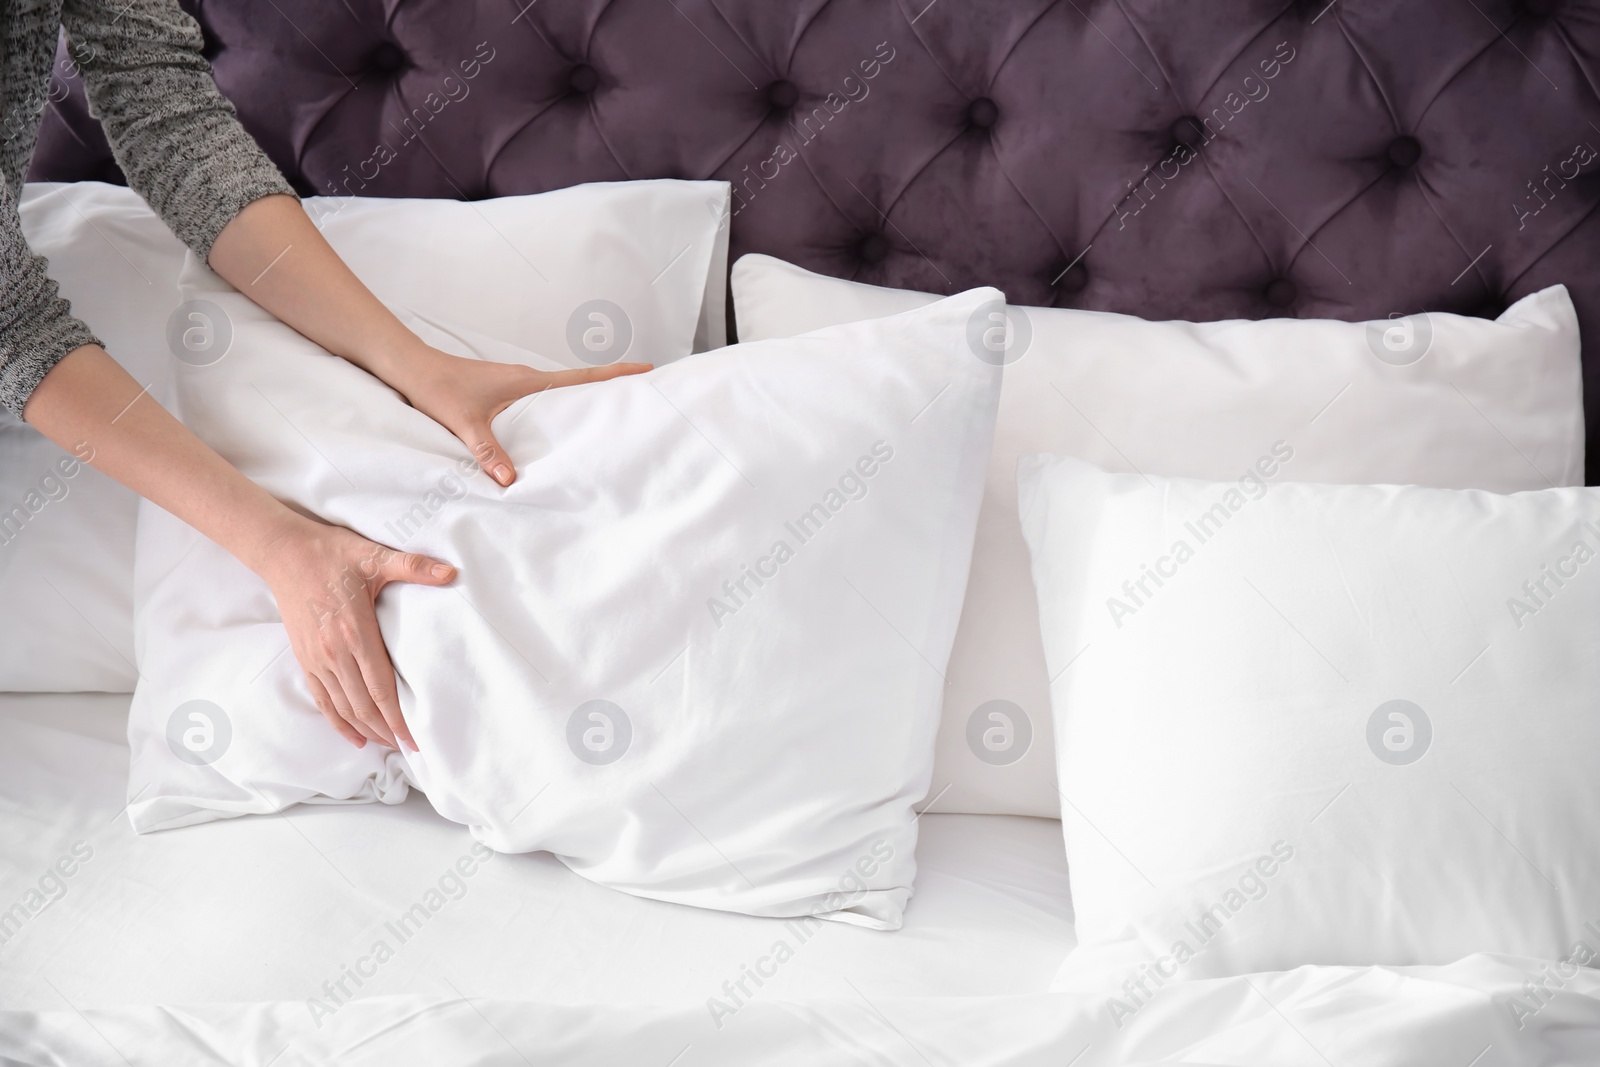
<point x="1406" y="158"/>
<point x="250" y="942"/>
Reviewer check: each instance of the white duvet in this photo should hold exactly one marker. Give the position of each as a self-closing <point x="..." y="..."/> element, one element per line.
<point x="1484" y="1011"/>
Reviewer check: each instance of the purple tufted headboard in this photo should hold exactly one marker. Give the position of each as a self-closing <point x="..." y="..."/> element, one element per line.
<point x="1201" y="160"/>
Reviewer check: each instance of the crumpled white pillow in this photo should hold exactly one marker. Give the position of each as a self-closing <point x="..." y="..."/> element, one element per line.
<point x="696" y="650"/>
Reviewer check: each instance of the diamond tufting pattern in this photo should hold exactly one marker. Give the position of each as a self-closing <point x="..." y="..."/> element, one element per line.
<point x="1239" y="158"/>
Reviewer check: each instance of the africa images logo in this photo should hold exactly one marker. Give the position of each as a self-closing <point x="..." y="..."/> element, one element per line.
<point x="1137" y="592"/>
<point x="599" y="332"/>
<point x="198" y="732"/>
<point x="852" y="485"/>
<point x="999" y="732"/>
<point x="1399" y="732"/>
<point x="1400" y="340"/>
<point x="599" y="732"/>
<point x="1247" y="890"/>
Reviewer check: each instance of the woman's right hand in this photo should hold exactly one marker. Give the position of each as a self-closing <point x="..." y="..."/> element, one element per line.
<point x="326" y="580"/>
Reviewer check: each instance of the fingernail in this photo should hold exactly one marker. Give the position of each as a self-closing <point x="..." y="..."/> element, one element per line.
<point x="442" y="570"/>
<point x="412" y="745"/>
<point x="360" y="742"/>
<point x="502" y="474"/>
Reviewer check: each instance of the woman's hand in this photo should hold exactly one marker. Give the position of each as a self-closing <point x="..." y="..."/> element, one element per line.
<point x="464" y="395"/>
<point x="273" y="254"/>
<point x="326" y="580"/>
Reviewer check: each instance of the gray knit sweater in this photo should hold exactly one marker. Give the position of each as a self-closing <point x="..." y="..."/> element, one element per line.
<point x="175" y="137"/>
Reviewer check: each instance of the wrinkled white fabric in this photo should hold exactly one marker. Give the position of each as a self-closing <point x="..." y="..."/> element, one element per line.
<point x="1319" y="724"/>
<point x="1483" y="405"/>
<point x="695" y="651"/>
<point x="1311" y="1017"/>
<point x="524" y="270"/>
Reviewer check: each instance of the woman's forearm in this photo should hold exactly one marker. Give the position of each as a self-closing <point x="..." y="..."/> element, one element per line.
<point x="325" y="579"/>
<point x="91" y="407"/>
<point x="273" y="254"/>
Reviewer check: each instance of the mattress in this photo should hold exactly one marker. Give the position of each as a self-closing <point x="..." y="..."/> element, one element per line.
<point x="293" y="907"/>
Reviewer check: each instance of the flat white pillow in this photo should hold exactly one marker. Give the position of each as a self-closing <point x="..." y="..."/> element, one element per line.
<point x="696" y="650"/>
<point x="627" y="270"/>
<point x="66" y="530"/>
<point x="1490" y="405"/>
<point x="1317" y="724"/>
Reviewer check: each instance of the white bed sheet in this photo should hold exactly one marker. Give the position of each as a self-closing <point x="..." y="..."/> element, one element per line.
<point x="203" y="946"/>
<point x="269" y="908"/>
<point x="1451" y="1016"/>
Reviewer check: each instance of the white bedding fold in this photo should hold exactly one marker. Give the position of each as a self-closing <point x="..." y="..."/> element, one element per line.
<point x="1373" y="1017"/>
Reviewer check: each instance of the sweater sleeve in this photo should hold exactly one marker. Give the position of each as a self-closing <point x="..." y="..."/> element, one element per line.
<point x="175" y="136"/>
<point x="36" y="323"/>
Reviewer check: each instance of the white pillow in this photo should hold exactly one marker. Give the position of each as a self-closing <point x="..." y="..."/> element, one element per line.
<point x="1317" y="724"/>
<point x="696" y="650"/>
<point x="631" y="270"/>
<point x="586" y="275"/>
<point x="1491" y="405"/>
<point x="66" y="530"/>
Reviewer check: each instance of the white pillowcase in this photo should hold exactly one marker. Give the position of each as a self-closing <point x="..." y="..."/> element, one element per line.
<point x="1491" y="405"/>
<point x="66" y="530"/>
<point x="695" y="651"/>
<point x="626" y="270"/>
<point x="1316" y="724"/>
<point x="587" y="275"/>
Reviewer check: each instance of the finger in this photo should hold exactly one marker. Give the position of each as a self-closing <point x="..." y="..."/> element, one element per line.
<point x="584" y="375"/>
<point x="412" y="567"/>
<point x="341" y="705"/>
<point x="361" y="703"/>
<point x="491" y="457"/>
<point x="319" y="697"/>
<point x="377" y="673"/>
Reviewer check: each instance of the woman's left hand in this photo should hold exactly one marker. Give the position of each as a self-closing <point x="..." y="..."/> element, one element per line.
<point x="464" y="395"/>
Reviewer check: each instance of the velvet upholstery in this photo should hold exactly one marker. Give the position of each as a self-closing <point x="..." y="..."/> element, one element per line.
<point x="1234" y="158"/>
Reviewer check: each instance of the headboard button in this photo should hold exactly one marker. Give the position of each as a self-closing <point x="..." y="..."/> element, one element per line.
<point x="874" y="248"/>
<point x="582" y="78"/>
<point x="782" y="95"/>
<point x="386" y="58"/>
<point x="1280" y="292"/>
<point x="1187" y="131"/>
<point x="1404" y="151"/>
<point x="982" y="113"/>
